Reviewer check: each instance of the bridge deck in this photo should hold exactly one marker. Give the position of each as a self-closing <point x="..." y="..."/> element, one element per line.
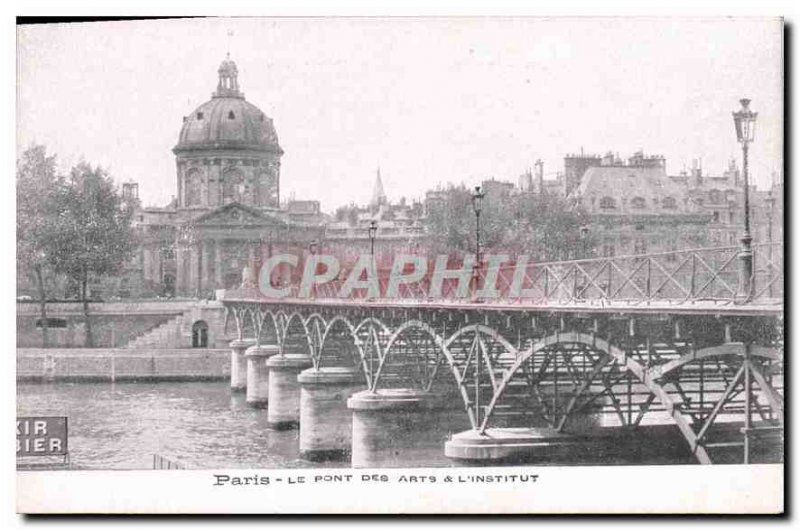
<point x="597" y="306"/>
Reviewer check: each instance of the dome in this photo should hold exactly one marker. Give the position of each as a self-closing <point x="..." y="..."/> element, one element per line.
<point x="227" y="121"/>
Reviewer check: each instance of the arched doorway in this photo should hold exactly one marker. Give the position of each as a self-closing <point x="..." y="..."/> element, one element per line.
<point x="200" y="334"/>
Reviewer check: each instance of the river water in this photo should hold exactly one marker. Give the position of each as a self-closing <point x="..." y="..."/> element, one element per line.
<point x="204" y="426"/>
<point x="199" y="425"/>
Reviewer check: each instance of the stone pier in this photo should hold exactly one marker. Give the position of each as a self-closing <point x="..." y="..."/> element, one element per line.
<point x="499" y="445"/>
<point x="239" y="364"/>
<point x="258" y="374"/>
<point x="383" y="423"/>
<point x="326" y="424"/>
<point x="283" y="410"/>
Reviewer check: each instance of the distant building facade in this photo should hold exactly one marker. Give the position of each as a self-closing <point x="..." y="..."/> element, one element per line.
<point x="227" y="217"/>
<point x="636" y="208"/>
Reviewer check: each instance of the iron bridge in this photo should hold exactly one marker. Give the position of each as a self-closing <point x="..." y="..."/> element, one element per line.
<point x="624" y="341"/>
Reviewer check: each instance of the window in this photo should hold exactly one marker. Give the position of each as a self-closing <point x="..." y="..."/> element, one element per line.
<point x="608" y="203"/>
<point x="200" y="334"/>
<point x="199" y="115"/>
<point x="231" y="116"/>
<point x="51" y="322"/>
<point x="715" y="217"/>
<point x="698" y="201"/>
<point x="732" y="217"/>
<point x="640" y="246"/>
<point x="638" y="203"/>
<point x="672" y="245"/>
<point x="715" y="197"/>
<point x="234" y="188"/>
<point x="669" y="203"/>
<point x="193" y="184"/>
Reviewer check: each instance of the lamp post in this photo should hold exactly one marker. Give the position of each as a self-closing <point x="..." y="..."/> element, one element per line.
<point x="585" y="241"/>
<point x="477" y="206"/>
<point x="373" y="230"/>
<point x="745" y="121"/>
<point x="770" y="211"/>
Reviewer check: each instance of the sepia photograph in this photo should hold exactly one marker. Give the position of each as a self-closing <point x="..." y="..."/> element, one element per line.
<point x="371" y="257"/>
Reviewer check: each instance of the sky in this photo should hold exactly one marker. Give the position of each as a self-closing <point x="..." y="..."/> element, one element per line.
<point x="428" y="100"/>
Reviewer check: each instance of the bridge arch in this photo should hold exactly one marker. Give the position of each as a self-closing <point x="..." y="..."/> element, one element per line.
<point x="657" y="380"/>
<point x="296" y="336"/>
<point x="268" y="329"/>
<point x="340" y="335"/>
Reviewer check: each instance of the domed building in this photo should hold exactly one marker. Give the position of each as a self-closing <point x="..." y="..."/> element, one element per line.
<point x="228" y="151"/>
<point x="227" y="216"/>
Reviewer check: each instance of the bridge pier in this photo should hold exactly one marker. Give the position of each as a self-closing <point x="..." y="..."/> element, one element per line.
<point x="283" y="408"/>
<point x="239" y="363"/>
<point x="383" y="420"/>
<point x="498" y="445"/>
<point x="326" y="424"/>
<point x="258" y="374"/>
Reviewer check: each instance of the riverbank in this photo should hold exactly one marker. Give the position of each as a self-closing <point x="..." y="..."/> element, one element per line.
<point x="120" y="364"/>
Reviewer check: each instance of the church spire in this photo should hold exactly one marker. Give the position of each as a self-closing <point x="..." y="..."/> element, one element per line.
<point x="228" y="85"/>
<point x="378" y="195"/>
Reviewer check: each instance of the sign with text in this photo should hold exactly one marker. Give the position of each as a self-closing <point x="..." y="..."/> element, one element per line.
<point x="42" y="436"/>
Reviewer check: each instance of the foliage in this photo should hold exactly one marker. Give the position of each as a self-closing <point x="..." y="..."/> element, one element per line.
<point x="93" y="236"/>
<point x="38" y="185"/>
<point x="544" y="226"/>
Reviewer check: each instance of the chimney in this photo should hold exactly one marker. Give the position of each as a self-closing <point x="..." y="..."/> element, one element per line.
<point x="539" y="165"/>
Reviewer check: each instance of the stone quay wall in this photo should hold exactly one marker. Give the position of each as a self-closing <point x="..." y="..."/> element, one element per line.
<point x="118" y="364"/>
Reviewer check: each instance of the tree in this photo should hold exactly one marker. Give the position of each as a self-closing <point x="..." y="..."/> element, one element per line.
<point x="94" y="237"/>
<point x="38" y="186"/>
<point x="543" y="226"/>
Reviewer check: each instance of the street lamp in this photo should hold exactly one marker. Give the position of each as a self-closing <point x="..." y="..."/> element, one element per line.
<point x="477" y="206"/>
<point x="312" y="247"/>
<point x="745" y="122"/>
<point x="585" y="240"/>
<point x="770" y="211"/>
<point x="373" y="230"/>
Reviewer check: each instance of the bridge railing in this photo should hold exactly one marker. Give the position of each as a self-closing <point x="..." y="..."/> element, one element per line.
<point x="684" y="276"/>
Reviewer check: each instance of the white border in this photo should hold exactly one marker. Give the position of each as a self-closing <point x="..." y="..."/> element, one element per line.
<point x="708" y="484"/>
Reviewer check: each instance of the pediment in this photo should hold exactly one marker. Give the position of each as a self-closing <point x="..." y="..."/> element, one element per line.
<point x="236" y="214"/>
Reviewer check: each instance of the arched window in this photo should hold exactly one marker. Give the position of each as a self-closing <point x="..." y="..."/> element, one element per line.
<point x="669" y="203"/>
<point x="231" y="116"/>
<point x="608" y="203"/>
<point x="638" y="203"/>
<point x="234" y="188"/>
<point x="269" y="195"/>
<point x="193" y="188"/>
<point x="200" y="334"/>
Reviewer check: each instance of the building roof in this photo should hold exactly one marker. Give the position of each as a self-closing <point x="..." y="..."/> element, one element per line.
<point x="227" y="121"/>
<point x="632" y="190"/>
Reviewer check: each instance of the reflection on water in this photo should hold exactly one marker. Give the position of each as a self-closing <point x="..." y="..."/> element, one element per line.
<point x="200" y="425"/>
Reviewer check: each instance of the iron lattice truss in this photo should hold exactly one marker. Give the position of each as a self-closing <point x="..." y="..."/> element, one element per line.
<point x="717" y="377"/>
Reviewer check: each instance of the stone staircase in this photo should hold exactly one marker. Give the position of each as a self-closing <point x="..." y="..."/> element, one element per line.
<point x="166" y="335"/>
